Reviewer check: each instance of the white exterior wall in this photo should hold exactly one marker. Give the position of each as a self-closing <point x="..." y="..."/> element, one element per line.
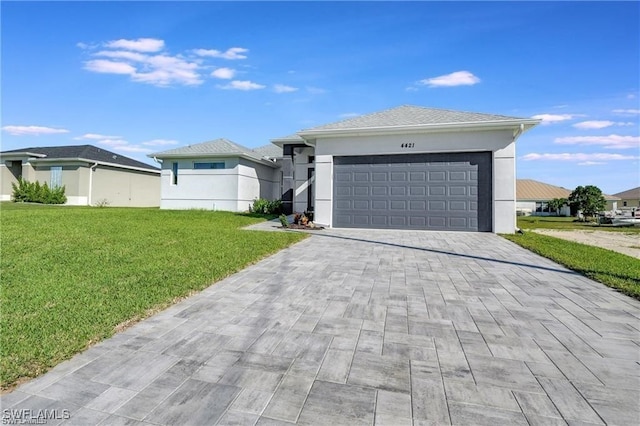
<point x="500" y="142"/>
<point x="256" y="181"/>
<point x="231" y="189"/>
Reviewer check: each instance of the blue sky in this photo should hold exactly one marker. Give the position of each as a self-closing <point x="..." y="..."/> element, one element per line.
<point x="143" y="77"/>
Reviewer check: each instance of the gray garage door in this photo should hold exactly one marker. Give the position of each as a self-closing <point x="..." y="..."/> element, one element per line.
<point x="414" y="191"/>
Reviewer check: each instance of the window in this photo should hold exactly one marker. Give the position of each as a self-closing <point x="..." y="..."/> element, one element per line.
<point x="542" y="207"/>
<point x="624" y="203"/>
<point x="208" y="166"/>
<point x="312" y="158"/>
<point x="174" y="173"/>
<point x="56" y="176"/>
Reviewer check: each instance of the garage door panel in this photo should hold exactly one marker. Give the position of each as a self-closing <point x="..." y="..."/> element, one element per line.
<point x="398" y="191"/>
<point x="416" y="191"/>
<point x="360" y="191"/>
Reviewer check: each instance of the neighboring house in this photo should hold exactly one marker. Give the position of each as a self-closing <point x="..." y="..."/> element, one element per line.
<point x="218" y="175"/>
<point x="406" y="168"/>
<point x="532" y="198"/>
<point x="629" y="198"/>
<point x="90" y="175"/>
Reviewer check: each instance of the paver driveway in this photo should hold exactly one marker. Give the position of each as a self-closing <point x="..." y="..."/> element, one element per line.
<point x="368" y="327"/>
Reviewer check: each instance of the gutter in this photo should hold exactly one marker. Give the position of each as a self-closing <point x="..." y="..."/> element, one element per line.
<point x="363" y="131"/>
<point x="91" y="171"/>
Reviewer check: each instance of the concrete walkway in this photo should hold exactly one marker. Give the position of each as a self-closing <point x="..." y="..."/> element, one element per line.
<point x="367" y="327"/>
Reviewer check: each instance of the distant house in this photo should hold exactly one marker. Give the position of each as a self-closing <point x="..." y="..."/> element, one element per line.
<point x="629" y="198"/>
<point x="532" y="198"/>
<point x="91" y="175"/>
<point x="218" y="175"/>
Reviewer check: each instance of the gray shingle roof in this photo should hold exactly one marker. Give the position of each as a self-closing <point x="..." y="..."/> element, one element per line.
<point x="409" y="115"/>
<point x="271" y="151"/>
<point x="87" y="152"/>
<point x="219" y="147"/>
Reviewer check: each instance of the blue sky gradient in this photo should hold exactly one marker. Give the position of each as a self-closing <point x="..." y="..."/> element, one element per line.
<point x="141" y="77"/>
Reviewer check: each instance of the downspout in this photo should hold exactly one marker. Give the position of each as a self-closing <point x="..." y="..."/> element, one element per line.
<point x="91" y="170"/>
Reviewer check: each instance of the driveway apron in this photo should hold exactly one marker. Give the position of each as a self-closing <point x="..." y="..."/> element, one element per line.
<point x="366" y="327"/>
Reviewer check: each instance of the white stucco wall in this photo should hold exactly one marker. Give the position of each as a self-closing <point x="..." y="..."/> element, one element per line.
<point x="500" y="142"/>
<point x="232" y="189"/>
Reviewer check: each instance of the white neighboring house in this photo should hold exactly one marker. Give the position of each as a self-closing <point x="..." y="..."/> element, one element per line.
<point x="218" y="175"/>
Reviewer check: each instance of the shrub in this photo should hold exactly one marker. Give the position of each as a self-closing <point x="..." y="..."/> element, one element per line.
<point x="33" y="192"/>
<point x="284" y="221"/>
<point x="264" y="206"/>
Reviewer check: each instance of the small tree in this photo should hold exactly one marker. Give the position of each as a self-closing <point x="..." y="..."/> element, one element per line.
<point x="588" y="199"/>
<point x="556" y="204"/>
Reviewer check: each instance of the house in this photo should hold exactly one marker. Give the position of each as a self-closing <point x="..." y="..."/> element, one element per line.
<point x="90" y="175"/>
<point x="407" y="167"/>
<point x="532" y="198"/>
<point x="218" y="175"/>
<point x="629" y="198"/>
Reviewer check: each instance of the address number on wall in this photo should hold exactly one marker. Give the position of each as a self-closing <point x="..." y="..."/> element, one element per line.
<point x="407" y="145"/>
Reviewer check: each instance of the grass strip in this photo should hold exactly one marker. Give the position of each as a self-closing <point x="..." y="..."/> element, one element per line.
<point x="555" y="222"/>
<point x="613" y="269"/>
<point x="71" y="275"/>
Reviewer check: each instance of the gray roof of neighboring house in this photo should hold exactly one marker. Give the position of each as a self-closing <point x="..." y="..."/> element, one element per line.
<point x="409" y="115"/>
<point x="630" y="194"/>
<point x="86" y="152"/>
<point x="219" y="147"/>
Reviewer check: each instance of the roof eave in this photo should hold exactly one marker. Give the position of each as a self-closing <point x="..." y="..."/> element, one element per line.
<point x="103" y="163"/>
<point x="22" y="154"/>
<point x="421" y="128"/>
<point x="261" y="160"/>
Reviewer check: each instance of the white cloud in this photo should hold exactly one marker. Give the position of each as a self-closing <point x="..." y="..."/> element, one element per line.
<point x="581" y="157"/>
<point x="610" y="141"/>
<point x="32" y="130"/>
<point x="631" y="96"/>
<point x="594" y="124"/>
<point x="160" y="142"/>
<point x="600" y="124"/>
<point x="123" y="54"/>
<point x="123" y="145"/>
<point x="242" y="85"/>
<point x="163" y="70"/>
<point x="224" y="73"/>
<point x="350" y="115"/>
<point x="231" y="54"/>
<point x="553" y="118"/>
<point x="626" y="111"/>
<point x="139" y="45"/>
<point x="281" y="88"/>
<point x="109" y="67"/>
<point x="458" y="78"/>
<point x="591" y="163"/>
<point x="95" y="136"/>
<point x="315" y="90"/>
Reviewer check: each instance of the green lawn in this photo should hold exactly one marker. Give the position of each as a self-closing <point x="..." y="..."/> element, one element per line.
<point x="554" y="222"/>
<point x="616" y="270"/>
<point x="71" y="275"/>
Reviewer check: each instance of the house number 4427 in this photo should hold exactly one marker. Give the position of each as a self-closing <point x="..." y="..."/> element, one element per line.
<point x="407" y="145"/>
